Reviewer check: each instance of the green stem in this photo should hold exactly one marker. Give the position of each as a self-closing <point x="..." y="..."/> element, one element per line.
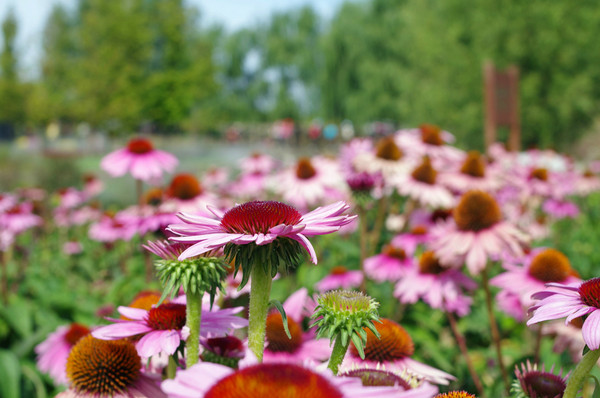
<point x="362" y="223"/>
<point x="494" y="327"/>
<point x="193" y="317"/>
<point x="580" y="373"/>
<point x="260" y="292"/>
<point x="171" y="367"/>
<point x="337" y="355"/>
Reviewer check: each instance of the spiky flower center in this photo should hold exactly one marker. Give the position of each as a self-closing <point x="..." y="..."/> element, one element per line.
<point x="361" y="182"/>
<point x="185" y="186"/>
<point x="228" y="346"/>
<point x="431" y="134"/>
<point x="474" y="165"/>
<point x="76" y="332"/>
<point x="577" y="322"/>
<point x="394" y="252"/>
<point x="429" y="264"/>
<point x="419" y="230"/>
<point x="274" y="380"/>
<point x="388" y="150"/>
<point x="394" y="343"/>
<point x="153" y="196"/>
<point x="590" y="292"/>
<point x="476" y="211"/>
<point x="345" y="300"/>
<point x="305" y="169"/>
<point x="377" y="378"/>
<point x="455" y="394"/>
<point x="550" y="265"/>
<point x="540" y="384"/>
<point x="258" y="217"/>
<point x="146" y="299"/>
<point x="338" y="270"/>
<point x="425" y="172"/>
<point x="277" y="340"/>
<point x="140" y="146"/>
<point x="539" y="174"/>
<point x="169" y="316"/>
<point x="103" y="367"/>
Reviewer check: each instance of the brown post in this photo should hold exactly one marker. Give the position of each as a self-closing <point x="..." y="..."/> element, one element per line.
<point x="501" y="95"/>
<point x="489" y="89"/>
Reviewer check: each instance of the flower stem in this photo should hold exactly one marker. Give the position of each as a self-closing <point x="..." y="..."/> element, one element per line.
<point x="193" y="317"/>
<point x="362" y="222"/>
<point x="337" y="355"/>
<point x="494" y="327"/>
<point x="260" y="292"/>
<point x="460" y="339"/>
<point x="382" y="211"/>
<point x="580" y="373"/>
<point x="171" y="367"/>
<point x="139" y="191"/>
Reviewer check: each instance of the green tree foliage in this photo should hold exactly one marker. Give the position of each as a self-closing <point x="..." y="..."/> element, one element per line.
<point x="417" y="61"/>
<point x="12" y="95"/>
<point x="119" y="64"/>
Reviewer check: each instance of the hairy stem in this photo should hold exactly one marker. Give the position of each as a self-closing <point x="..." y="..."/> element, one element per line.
<point x="494" y="327"/>
<point x="193" y="318"/>
<point x="260" y="292"/>
<point x="337" y="355"/>
<point x="577" y="378"/>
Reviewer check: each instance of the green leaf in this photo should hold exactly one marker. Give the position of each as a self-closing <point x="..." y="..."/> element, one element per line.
<point x="281" y="310"/>
<point x="18" y="315"/>
<point x="30" y="373"/>
<point x="10" y="379"/>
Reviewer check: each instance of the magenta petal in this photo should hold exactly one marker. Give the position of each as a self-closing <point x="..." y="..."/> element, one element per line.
<point x="149" y="344"/>
<point x="120" y="330"/>
<point x="591" y="330"/>
<point x="137" y="314"/>
<point x="169" y="341"/>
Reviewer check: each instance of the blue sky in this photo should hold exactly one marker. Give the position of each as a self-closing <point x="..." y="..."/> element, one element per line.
<point x="233" y="14"/>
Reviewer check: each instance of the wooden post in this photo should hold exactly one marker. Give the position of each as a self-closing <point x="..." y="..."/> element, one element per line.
<point x="501" y="95"/>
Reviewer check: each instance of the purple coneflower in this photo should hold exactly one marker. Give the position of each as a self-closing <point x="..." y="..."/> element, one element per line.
<point x="140" y="159"/>
<point x="340" y="277"/>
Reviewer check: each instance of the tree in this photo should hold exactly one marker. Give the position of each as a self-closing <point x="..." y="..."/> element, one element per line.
<point x="12" y="98"/>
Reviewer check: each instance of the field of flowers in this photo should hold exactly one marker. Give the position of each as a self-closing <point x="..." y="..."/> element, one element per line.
<point x="396" y="266"/>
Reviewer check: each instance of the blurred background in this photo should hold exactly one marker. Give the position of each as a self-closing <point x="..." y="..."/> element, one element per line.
<point x="77" y="74"/>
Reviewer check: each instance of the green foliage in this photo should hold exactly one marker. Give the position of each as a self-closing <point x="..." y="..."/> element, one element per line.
<point x="418" y="61"/>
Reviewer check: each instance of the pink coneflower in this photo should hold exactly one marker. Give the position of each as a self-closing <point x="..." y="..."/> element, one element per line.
<point x="302" y="345"/>
<point x="70" y="197"/>
<point x="140" y="159"/>
<point x="53" y="352"/>
<point x="418" y="235"/>
<point x="391" y="264"/>
<point x="420" y="185"/>
<point x="98" y="368"/>
<point x="476" y="232"/>
<point x="386" y="159"/>
<point x="112" y="228"/>
<point x="431" y="140"/>
<point x="209" y="380"/>
<point x="571" y="301"/>
<point x="257" y="163"/>
<point x="393" y="350"/>
<point x="539" y="383"/>
<point x="258" y="222"/>
<point x="19" y="218"/>
<point x="7" y="201"/>
<point x="186" y="193"/>
<point x="474" y="173"/>
<point x="249" y="186"/>
<point x="72" y="248"/>
<point x="560" y="208"/>
<point x="310" y="182"/>
<point x="586" y="183"/>
<point x="440" y="287"/>
<point x="215" y="177"/>
<point x="540" y="266"/>
<point x="163" y="327"/>
<point x="92" y="186"/>
<point x="340" y="277"/>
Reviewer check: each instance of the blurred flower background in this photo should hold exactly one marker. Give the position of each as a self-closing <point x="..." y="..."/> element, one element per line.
<point x="119" y="119"/>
